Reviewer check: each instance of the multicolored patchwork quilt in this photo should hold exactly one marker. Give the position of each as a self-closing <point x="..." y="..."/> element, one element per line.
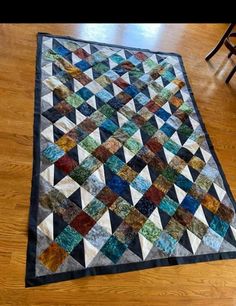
<point x="125" y="176"/>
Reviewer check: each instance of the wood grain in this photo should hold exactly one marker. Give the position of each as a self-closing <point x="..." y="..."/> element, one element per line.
<point x="212" y="283"/>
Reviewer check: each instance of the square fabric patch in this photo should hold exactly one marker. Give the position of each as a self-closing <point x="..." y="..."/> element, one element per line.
<point x="125" y="176"/>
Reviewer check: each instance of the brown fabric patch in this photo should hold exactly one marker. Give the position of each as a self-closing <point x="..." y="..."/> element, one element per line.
<point x="82" y="223"/>
<point x="176" y="101"/>
<point x="161" y="137"/>
<point x="82" y="78"/>
<point x="197" y="227"/>
<point x="74" y="133"/>
<point x="81" y="53"/>
<point x="158" y="100"/>
<point x="53" y="256"/>
<point x="211" y="203"/>
<point x="154" y="145"/>
<point x="177" y="163"/>
<point x="154" y="195"/>
<point x="107" y="196"/>
<point x="112" y="145"/>
<point x="152" y="106"/>
<point x="127" y="173"/>
<point x="181" y="115"/>
<point x="53" y="200"/>
<point x="66" y="143"/>
<point x="87" y="125"/>
<point x="175" y="229"/>
<point x="66" y="164"/>
<point x="140" y="56"/>
<point x="139" y="120"/>
<point x="127" y="65"/>
<point x="121" y="83"/>
<point x="123" y="97"/>
<point x="102" y="153"/>
<point x="135" y="219"/>
<point x="157" y="164"/>
<point x="196" y="163"/>
<point x="62" y="92"/>
<point x="125" y="233"/>
<point x="183" y="216"/>
<point x="145" y="113"/>
<point x="154" y="73"/>
<point x="225" y="213"/>
<point x="71" y="211"/>
<point x="63" y="107"/>
<point x="146" y="155"/>
<point x="162" y="184"/>
<point x="179" y="83"/>
<point x="197" y="192"/>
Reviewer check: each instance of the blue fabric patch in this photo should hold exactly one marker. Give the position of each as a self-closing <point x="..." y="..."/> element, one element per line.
<point x="210" y="172"/>
<point x="183" y="182"/>
<point x="131" y="90"/>
<point x="146" y="78"/>
<point x="117" y="184"/>
<point x="89" y="162"/>
<point x="113" y="249"/>
<point x="140" y="184"/>
<point x="168" y="76"/>
<point x="219" y="226"/>
<point x="53" y="152"/>
<point x="190" y="204"/>
<point x="68" y="239"/>
<point x="141" y="98"/>
<point x="112" y="75"/>
<point x="86" y="109"/>
<point x="162" y="114"/>
<point x="60" y="49"/>
<point x="109" y="126"/>
<point x="167" y="129"/>
<point x="115" y="103"/>
<point x="168" y="205"/>
<point x="114" y="163"/>
<point x="172" y="146"/>
<point x="166" y="243"/>
<point x="213" y="240"/>
<point x="97" y="236"/>
<point x="134" y="60"/>
<point x="117" y="58"/>
<point x="130" y="128"/>
<point x="98" y="57"/>
<point x="81" y="134"/>
<point x="104" y="95"/>
<point x="119" y="70"/>
<point x="145" y="206"/>
<point x="83" y="65"/>
<point x="85" y="93"/>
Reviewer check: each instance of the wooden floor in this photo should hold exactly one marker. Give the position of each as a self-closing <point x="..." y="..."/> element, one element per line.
<point x="212" y="283"/>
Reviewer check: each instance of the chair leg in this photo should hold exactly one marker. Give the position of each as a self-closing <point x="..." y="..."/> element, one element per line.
<point x="230" y="54"/>
<point x="220" y="43"/>
<point x="231" y="74"/>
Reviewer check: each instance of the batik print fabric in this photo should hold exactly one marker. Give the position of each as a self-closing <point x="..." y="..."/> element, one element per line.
<point x="125" y="176"/>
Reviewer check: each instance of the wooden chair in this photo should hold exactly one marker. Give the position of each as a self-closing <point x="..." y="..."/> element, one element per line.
<point x="227" y="42"/>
